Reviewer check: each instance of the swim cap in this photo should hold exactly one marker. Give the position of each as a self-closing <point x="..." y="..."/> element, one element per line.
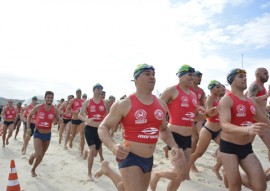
<point x="97" y="85"/>
<point x="78" y="90"/>
<point x="140" y="69"/>
<point x="231" y="75"/>
<point x="213" y="84"/>
<point x="84" y="95"/>
<point x="197" y="73"/>
<point x="34" y="98"/>
<point x="184" y="70"/>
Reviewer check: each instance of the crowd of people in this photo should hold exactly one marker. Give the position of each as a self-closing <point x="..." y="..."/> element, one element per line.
<point x="183" y="117"/>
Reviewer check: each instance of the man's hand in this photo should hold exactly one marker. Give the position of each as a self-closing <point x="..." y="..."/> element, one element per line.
<point x="256" y="129"/>
<point x="120" y="151"/>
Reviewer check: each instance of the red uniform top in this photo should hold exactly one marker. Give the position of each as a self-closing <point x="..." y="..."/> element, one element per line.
<point x="19" y="110"/>
<point x="77" y="104"/>
<point x="182" y="109"/>
<point x="97" y="111"/>
<point x="66" y="115"/>
<point x="262" y="92"/>
<point x="242" y="112"/>
<point x="28" y="110"/>
<point x="214" y="119"/>
<point x="44" y="118"/>
<point x="142" y="123"/>
<point x="10" y="113"/>
<point x="198" y="93"/>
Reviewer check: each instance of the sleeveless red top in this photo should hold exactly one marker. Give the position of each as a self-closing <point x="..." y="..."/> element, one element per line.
<point x="66" y="115"/>
<point x="77" y="104"/>
<point x="10" y="113"/>
<point x="242" y="112"/>
<point x="262" y="92"/>
<point x="97" y="111"/>
<point x="142" y="123"/>
<point x="182" y="109"/>
<point x="28" y="110"/>
<point x="44" y="118"/>
<point x="198" y="93"/>
<point x="214" y="119"/>
<point x="19" y="110"/>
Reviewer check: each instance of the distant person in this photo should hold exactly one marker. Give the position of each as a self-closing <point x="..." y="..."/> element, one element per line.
<point x="211" y="130"/>
<point x="140" y="113"/>
<point x="74" y="107"/>
<point x="103" y="95"/>
<point x="236" y="113"/>
<point x="93" y="111"/>
<point x="46" y="115"/>
<point x="111" y="101"/>
<point x="84" y="96"/>
<point x="1" y="109"/>
<point x="32" y="124"/>
<point x="9" y="115"/>
<point x="65" y="122"/>
<point x="18" y="121"/>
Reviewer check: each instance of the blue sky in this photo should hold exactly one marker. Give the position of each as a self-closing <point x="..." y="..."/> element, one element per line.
<point x="64" y="45"/>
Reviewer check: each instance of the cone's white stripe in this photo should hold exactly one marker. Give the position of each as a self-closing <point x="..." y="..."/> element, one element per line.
<point x="13" y="182"/>
<point x="13" y="170"/>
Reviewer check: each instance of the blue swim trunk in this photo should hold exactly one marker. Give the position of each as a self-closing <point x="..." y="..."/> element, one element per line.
<point x="42" y="136"/>
<point x="145" y="164"/>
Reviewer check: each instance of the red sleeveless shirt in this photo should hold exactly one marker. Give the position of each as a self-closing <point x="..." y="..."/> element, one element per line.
<point x="44" y="118"/>
<point x="97" y="111"/>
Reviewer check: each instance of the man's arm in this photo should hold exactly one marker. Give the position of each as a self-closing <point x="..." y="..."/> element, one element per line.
<point x="254" y="89"/>
<point x="56" y="115"/>
<point x="82" y="114"/>
<point x="69" y="107"/>
<point x="32" y="112"/>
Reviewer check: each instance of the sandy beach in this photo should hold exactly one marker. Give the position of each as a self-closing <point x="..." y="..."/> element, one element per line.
<point x="64" y="170"/>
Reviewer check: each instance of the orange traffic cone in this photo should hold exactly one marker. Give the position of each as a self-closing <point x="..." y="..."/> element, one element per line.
<point x="13" y="182"/>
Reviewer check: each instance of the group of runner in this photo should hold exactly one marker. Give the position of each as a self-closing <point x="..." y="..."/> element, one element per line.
<point x="183" y="118"/>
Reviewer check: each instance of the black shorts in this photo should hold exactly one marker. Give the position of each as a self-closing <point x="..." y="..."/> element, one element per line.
<point x="241" y="151"/>
<point x="8" y="123"/>
<point x="183" y="142"/>
<point x="76" y="121"/>
<point x="91" y="136"/>
<point x="65" y="121"/>
<point x="146" y="164"/>
<point x="214" y="134"/>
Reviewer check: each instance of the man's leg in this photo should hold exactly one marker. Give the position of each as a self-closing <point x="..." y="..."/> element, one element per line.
<point x="5" y="127"/>
<point x="107" y="171"/>
<point x="73" y="134"/>
<point x="256" y="176"/>
<point x="36" y="158"/>
<point x="91" y="157"/>
<point x="61" y="130"/>
<point x="231" y="169"/>
<point x="68" y="128"/>
<point x="134" y="179"/>
<point x="17" y="127"/>
<point x="10" y="131"/>
<point x="82" y="139"/>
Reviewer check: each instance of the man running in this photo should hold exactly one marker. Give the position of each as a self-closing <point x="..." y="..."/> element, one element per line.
<point x="32" y="125"/>
<point x="236" y="113"/>
<point x="9" y="115"/>
<point x="93" y="111"/>
<point x="183" y="111"/>
<point x="46" y="115"/>
<point x="142" y="116"/>
<point x="74" y="107"/>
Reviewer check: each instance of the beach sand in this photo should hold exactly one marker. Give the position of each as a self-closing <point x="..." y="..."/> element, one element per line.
<point x="64" y="170"/>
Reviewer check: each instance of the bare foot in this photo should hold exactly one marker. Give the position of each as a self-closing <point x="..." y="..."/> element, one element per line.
<point x="33" y="173"/>
<point x="65" y="147"/>
<point x="23" y="152"/>
<point x="85" y="155"/>
<point x="166" y="152"/>
<point x="194" y="169"/>
<point x="102" y="170"/>
<point x="31" y="159"/>
<point x="154" y="180"/>
<point x="60" y="139"/>
<point x="70" y="145"/>
<point x="101" y="159"/>
<point x="7" y="142"/>
<point x="217" y="173"/>
<point x="225" y="180"/>
<point x="90" y="178"/>
<point x="3" y="145"/>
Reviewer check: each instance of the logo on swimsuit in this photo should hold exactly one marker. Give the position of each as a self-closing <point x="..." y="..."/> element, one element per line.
<point x="246" y="124"/>
<point x="140" y="116"/>
<point x="50" y="116"/>
<point x="41" y="115"/>
<point x="159" y="114"/>
<point x="101" y="108"/>
<point x="194" y="101"/>
<point x="92" y="108"/>
<point x="97" y="116"/>
<point x="241" y="111"/>
<point x="43" y="124"/>
<point x="77" y="104"/>
<point x="184" y="100"/>
<point x="253" y="110"/>
<point x="149" y="133"/>
<point x="190" y="116"/>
